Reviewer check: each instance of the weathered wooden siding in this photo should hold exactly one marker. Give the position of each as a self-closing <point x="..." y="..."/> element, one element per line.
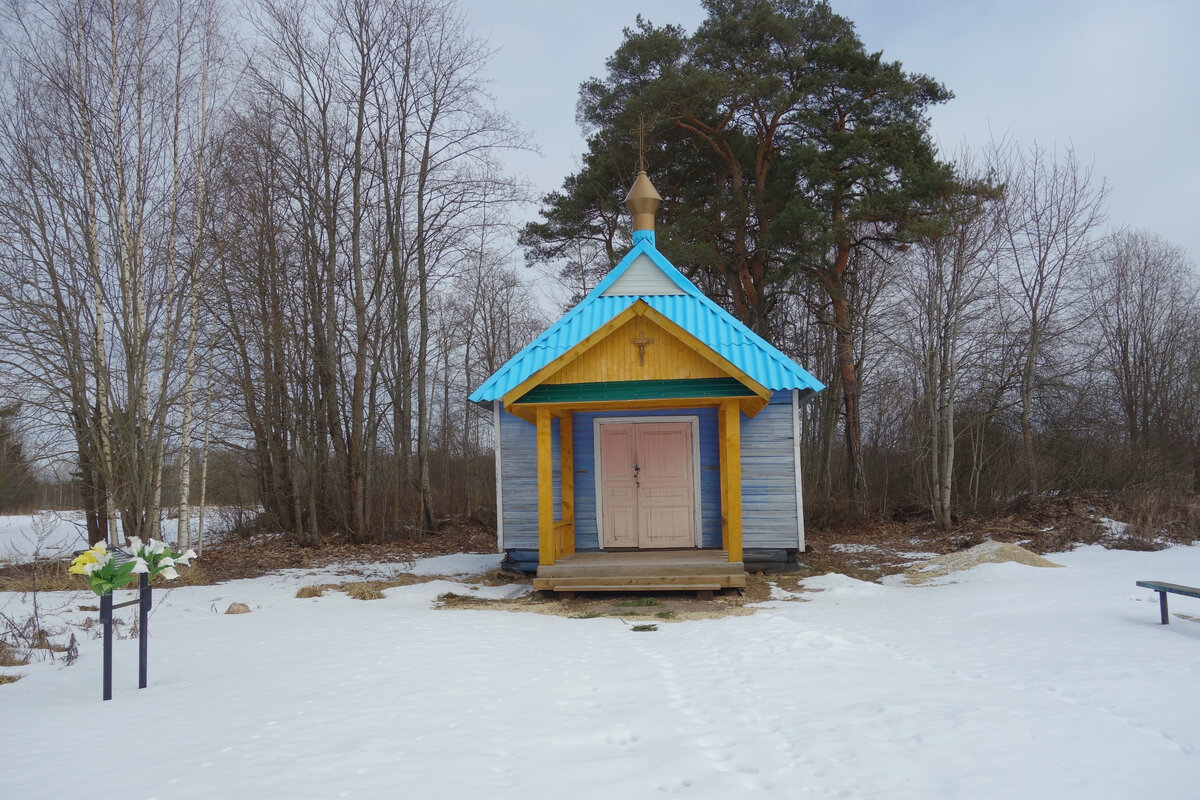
<point x="518" y="447"/>
<point x="769" y="518"/>
<point x="768" y="477"/>
<point x="586" y="534"/>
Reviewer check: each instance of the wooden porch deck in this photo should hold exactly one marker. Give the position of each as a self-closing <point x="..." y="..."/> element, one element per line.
<point x="701" y="571"/>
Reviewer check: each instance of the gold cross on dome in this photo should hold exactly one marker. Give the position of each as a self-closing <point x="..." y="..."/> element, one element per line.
<point x="641" y="343"/>
<point x="640" y="132"/>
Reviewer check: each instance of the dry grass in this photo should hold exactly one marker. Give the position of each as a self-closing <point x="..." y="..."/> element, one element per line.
<point x="1160" y="517"/>
<point x="52" y="576"/>
<point x="365" y="590"/>
<point x="40" y="576"/>
<point x="9" y="679"/>
<point x="9" y="657"/>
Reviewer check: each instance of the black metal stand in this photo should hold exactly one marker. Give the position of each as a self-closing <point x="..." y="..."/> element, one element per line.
<point x="106" y="612"/>
<point x="106" y="620"/>
<point x="143" y="623"/>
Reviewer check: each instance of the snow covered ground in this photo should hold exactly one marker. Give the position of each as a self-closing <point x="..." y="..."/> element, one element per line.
<point x="48" y="534"/>
<point x="1010" y="682"/>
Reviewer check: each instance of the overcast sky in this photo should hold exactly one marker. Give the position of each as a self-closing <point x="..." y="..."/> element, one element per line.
<point x="1116" y="80"/>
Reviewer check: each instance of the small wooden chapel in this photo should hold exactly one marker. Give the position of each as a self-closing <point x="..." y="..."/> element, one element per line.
<point x="647" y="440"/>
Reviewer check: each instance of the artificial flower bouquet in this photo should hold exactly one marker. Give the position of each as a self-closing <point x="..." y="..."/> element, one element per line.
<point x="152" y="558"/>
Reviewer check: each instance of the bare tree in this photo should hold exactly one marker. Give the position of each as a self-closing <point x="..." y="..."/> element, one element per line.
<point x="372" y="154"/>
<point x="1052" y="210"/>
<point x="100" y="158"/>
<point x="1144" y="297"/>
<point x="944" y="287"/>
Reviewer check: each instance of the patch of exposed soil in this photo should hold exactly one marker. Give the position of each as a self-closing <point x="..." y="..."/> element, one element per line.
<point x="634" y="608"/>
<point x="372" y="589"/>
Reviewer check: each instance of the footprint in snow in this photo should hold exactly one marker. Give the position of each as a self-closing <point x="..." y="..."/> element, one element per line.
<point x="621" y="737"/>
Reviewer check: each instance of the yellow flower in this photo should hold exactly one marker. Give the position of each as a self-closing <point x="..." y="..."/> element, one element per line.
<point x="88" y="557"/>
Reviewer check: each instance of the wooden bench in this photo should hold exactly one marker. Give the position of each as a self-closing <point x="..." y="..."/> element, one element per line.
<point x="1164" y="589"/>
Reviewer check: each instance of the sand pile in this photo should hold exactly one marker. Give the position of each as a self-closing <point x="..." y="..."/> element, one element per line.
<point x="987" y="553"/>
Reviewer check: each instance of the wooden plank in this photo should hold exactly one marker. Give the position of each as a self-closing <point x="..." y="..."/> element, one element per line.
<point x="638" y="580"/>
<point x="625" y="587"/>
<point x="562" y="569"/>
<point x="559" y="570"/>
<point x="519" y="484"/>
<point x="689" y="555"/>
<point x="545" y="473"/>
<point x="796" y="460"/>
<point x="731" y="463"/>
<point x="563" y="533"/>
<point x="499" y="478"/>
<point x="566" y="461"/>
<point x="769" y="495"/>
<point x="750" y="406"/>
<point x="721" y="455"/>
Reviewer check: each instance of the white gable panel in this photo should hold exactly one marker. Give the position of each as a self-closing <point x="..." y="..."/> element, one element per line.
<point x="642" y="277"/>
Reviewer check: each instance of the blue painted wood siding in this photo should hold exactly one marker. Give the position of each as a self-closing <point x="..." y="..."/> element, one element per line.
<point x="518" y="479"/>
<point x="769" y="517"/>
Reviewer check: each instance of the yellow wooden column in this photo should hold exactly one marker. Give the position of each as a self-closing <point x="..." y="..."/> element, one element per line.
<point x="566" y="461"/>
<point x="724" y="476"/>
<point x="547" y="550"/>
<point x="730" y="432"/>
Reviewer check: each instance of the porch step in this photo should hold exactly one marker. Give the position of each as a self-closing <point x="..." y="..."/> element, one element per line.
<point x="703" y="571"/>
<point x="641" y="563"/>
<point x="648" y="587"/>
<point x="611" y="582"/>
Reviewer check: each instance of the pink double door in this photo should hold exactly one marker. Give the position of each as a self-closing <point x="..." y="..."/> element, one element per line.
<point x="647" y="485"/>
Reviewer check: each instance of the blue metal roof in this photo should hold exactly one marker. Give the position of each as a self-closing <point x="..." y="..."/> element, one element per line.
<point x="692" y="311"/>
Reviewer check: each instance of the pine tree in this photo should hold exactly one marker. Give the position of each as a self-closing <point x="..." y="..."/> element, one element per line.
<point x="780" y="145"/>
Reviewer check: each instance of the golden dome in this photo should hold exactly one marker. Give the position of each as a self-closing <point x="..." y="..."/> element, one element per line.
<point x="643" y="201"/>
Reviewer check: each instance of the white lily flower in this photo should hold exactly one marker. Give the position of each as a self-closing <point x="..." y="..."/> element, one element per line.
<point x="103" y="558"/>
<point x="166" y="561"/>
<point x="154" y="547"/>
<point x="169" y="573"/>
<point x="134" y="547"/>
<point x="140" y="565"/>
<point x="186" y="558"/>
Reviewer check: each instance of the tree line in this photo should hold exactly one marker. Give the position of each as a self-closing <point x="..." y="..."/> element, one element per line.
<point x="266" y="255"/>
<point x="277" y="238"/>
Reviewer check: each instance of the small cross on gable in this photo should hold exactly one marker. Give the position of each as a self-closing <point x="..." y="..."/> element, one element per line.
<point x="641" y="343"/>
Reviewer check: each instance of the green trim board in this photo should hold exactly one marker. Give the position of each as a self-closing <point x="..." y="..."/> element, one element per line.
<point x="635" y="390"/>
